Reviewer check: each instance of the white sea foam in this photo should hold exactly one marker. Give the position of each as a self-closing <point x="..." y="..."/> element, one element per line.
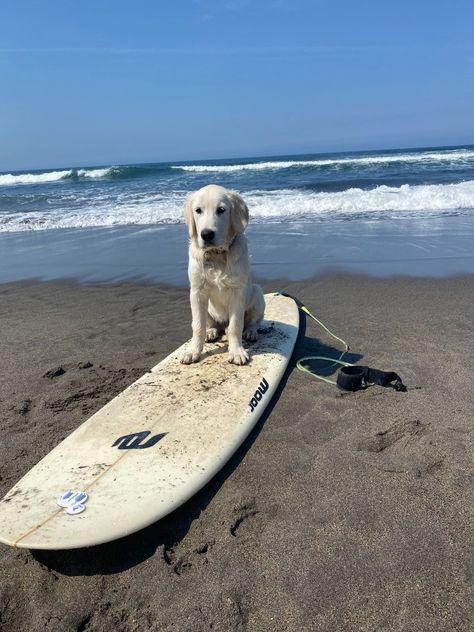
<point x="9" y="179"/>
<point x="95" y="173"/>
<point x="387" y="201"/>
<point x="34" y="178"/>
<point x="122" y="210"/>
<point x="421" y="157"/>
<point x="280" y="206"/>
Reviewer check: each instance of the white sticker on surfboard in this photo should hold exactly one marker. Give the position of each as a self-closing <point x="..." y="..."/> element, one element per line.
<point x="72" y="501"/>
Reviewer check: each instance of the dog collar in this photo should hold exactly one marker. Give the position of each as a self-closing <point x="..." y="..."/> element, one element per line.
<point x="210" y="253"/>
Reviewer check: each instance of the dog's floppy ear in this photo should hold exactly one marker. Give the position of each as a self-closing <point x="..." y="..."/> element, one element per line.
<point x="189" y="218"/>
<point x="239" y="213"/>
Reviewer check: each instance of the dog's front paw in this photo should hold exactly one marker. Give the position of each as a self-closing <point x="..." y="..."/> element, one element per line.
<point x="190" y="356"/>
<point x="250" y="334"/>
<point x="239" y="356"/>
<point x="212" y="334"/>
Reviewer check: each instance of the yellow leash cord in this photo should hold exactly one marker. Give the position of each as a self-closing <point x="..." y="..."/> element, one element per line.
<point x="333" y="361"/>
<point x="351" y="377"/>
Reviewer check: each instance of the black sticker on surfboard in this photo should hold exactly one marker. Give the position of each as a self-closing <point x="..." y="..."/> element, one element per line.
<point x="134" y="441"/>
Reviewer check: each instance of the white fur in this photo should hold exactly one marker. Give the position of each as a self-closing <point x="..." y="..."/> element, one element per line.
<point x="222" y="295"/>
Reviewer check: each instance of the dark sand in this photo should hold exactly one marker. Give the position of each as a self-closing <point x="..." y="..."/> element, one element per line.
<point x="340" y="512"/>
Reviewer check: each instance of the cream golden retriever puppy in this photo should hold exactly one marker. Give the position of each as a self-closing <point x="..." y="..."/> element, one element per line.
<point x="222" y="296"/>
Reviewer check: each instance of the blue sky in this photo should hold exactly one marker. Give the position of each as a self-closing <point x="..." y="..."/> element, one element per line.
<point x="102" y="82"/>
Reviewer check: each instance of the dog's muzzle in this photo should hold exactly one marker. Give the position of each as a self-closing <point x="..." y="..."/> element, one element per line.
<point x="207" y="236"/>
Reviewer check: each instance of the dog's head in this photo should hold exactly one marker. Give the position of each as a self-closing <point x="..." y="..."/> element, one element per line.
<point x="214" y="216"/>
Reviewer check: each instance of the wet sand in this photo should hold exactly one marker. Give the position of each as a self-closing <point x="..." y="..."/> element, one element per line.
<point x="340" y="512"/>
<point x="434" y="247"/>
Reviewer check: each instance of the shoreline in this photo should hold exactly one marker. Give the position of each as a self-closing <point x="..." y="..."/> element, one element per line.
<point x="341" y="511"/>
<point x="430" y="247"/>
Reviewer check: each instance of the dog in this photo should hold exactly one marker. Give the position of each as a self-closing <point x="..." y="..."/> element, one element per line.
<point x="223" y="298"/>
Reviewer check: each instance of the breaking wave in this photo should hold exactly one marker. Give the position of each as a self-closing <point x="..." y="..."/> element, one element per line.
<point x="384" y="201"/>
<point x="419" y="157"/>
<point x="451" y="159"/>
<point x="9" y="179"/>
<point x="282" y="205"/>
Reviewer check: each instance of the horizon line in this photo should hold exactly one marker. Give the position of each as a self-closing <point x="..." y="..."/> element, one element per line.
<point x="241" y="157"/>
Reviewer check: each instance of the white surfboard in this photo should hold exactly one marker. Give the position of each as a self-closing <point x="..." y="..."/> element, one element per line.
<point x="152" y="447"/>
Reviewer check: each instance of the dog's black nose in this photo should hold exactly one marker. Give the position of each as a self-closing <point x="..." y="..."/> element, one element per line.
<point x="207" y="235"/>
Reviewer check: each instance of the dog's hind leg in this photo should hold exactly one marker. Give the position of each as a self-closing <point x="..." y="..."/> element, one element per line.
<point x="254" y="315"/>
<point x="237" y="353"/>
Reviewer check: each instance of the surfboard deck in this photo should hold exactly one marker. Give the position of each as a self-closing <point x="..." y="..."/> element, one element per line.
<point x="153" y="446"/>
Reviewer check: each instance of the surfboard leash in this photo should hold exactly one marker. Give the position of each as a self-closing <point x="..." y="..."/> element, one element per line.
<point x="351" y="377"/>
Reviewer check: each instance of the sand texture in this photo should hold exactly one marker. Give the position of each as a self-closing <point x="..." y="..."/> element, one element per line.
<point x="340" y="512"/>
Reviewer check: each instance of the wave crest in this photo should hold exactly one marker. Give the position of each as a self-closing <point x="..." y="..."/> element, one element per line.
<point x="283" y="205"/>
<point x="427" y="157"/>
<point x="406" y="201"/>
<point x="97" y="173"/>
<point x="9" y="179"/>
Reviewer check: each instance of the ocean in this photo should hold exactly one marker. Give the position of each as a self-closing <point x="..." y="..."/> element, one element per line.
<point x="372" y="185"/>
<point x="349" y="210"/>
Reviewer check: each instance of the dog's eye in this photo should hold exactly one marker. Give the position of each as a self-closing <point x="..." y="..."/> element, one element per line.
<point x="198" y="211"/>
<point x="220" y="210"/>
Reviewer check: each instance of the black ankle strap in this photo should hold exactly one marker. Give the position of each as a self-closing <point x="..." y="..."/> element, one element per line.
<point x="355" y="378"/>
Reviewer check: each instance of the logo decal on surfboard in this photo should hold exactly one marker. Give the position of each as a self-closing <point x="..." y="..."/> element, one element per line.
<point x="72" y="501"/>
<point x="259" y="393"/>
<point x="134" y="441"/>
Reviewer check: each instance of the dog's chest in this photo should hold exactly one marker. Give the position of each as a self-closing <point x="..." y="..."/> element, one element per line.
<point x="217" y="275"/>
